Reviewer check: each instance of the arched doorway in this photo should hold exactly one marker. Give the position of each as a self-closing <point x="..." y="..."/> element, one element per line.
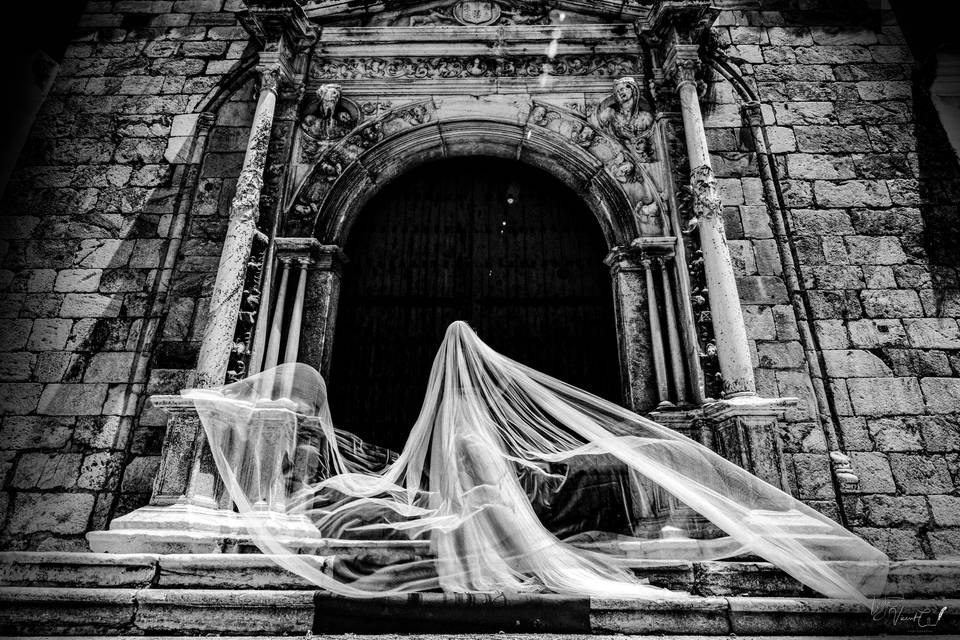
<point x="497" y="243"/>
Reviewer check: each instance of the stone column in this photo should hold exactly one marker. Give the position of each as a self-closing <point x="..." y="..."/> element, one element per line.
<point x="272" y="358"/>
<point x="244" y="212"/>
<point x="656" y="333"/>
<point x="732" y="347"/>
<point x="320" y="313"/>
<point x="630" y="305"/>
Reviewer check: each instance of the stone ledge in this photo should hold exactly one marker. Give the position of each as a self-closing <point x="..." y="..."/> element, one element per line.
<point x="40" y="610"/>
<point x="908" y="578"/>
<point x="696" y="615"/>
<point x="253" y="612"/>
<point x="103" y="570"/>
<point x="33" y="610"/>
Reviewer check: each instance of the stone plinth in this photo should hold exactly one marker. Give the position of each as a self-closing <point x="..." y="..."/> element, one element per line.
<point x="744" y="430"/>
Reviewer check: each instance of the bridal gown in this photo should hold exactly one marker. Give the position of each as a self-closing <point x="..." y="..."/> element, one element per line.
<point x="510" y="481"/>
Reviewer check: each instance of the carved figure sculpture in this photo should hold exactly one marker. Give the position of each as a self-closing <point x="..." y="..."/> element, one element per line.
<point x="328" y="117"/>
<point x="646" y="211"/>
<point x="626" y="115"/>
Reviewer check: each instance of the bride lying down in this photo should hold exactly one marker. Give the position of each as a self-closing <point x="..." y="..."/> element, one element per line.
<point x="510" y="481"/>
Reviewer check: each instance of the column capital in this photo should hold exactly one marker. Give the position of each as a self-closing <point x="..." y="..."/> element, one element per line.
<point x="322" y="257"/>
<point x="674" y="28"/>
<point x="640" y="254"/>
<point x="281" y="31"/>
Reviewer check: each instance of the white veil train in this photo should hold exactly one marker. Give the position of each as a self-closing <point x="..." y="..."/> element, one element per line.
<point x="510" y="481"/>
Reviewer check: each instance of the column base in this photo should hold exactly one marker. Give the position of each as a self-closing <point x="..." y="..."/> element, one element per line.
<point x="187" y="528"/>
<point x="743" y="429"/>
<point x="746" y="431"/>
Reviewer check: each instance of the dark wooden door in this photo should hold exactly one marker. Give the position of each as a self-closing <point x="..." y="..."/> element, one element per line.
<point x="497" y="243"/>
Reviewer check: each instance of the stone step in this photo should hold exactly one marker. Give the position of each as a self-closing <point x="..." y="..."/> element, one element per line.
<point x="907" y="579"/>
<point x="151" y="611"/>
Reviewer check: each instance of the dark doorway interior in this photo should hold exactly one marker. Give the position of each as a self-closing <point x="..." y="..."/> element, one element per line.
<point x="500" y="244"/>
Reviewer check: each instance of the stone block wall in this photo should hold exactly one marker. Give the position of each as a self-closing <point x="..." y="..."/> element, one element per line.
<point x="85" y="275"/>
<point x="97" y="313"/>
<point x="869" y="189"/>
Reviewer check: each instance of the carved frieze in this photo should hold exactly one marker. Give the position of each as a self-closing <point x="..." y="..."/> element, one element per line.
<point x="331" y="69"/>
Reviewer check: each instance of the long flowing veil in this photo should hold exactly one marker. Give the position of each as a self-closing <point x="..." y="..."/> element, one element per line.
<point x="510" y="481"/>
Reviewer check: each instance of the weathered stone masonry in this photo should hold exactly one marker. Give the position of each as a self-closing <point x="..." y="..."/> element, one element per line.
<point x="92" y="225"/>
<point x="834" y="203"/>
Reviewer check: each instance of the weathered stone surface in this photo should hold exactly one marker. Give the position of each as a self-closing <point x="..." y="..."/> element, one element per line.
<point x="47" y="471"/>
<point x="814" y="479"/>
<point x="851" y="193"/>
<point x="848" y="363"/>
<point x="874" y="472"/>
<point x="99" y="470"/>
<point x="945" y="510"/>
<point x="72" y="399"/>
<point x="868" y="334"/>
<point x="66" y="513"/>
<point x="26" y="610"/>
<point x="891" y="303"/>
<point x="700" y="616"/>
<point x="224" y="611"/>
<point x="76" y="570"/>
<point x="885" y="511"/>
<point x="941" y="394"/>
<point x="885" y="396"/>
<point x="920" y="474"/>
<point x="933" y="333"/>
<point x="895" y="434"/>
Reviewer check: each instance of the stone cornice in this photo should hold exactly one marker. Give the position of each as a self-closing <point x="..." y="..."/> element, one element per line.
<point x="328" y="10"/>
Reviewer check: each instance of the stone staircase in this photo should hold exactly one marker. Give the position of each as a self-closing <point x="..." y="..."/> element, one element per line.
<point x="248" y="594"/>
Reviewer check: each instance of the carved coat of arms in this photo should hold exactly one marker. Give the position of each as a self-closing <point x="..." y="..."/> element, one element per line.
<point x="476" y="12"/>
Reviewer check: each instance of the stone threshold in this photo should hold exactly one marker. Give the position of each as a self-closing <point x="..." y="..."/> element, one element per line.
<point x="248" y="594"/>
<point x="907" y="578"/>
<point x="81" y="611"/>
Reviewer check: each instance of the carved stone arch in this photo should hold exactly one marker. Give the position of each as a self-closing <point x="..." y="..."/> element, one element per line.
<point x="348" y="174"/>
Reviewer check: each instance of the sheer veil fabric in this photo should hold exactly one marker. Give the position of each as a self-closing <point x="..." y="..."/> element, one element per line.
<point x="510" y="481"/>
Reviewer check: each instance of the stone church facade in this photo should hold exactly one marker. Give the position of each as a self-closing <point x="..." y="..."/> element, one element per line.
<point x="773" y="199"/>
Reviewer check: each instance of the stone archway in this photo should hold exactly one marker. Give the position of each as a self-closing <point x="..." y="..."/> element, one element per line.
<point x="497" y="243"/>
<point x="602" y="172"/>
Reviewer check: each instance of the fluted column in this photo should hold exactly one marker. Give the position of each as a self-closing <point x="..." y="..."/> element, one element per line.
<point x="322" y="301"/>
<point x="677" y="366"/>
<point x="272" y="357"/>
<point x="637" y="373"/>
<point x="241" y="228"/>
<point x="296" y="318"/>
<point x="656" y="334"/>
<point x="729" y="330"/>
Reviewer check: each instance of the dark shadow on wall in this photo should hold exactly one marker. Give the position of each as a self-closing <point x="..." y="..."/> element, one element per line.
<point x="939" y="191"/>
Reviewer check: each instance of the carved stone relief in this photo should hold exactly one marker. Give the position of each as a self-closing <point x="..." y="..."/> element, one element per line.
<point x="472" y="13"/>
<point x="332" y="69"/>
<point x="327" y="116"/>
<point x="628" y="117"/>
<point x="706" y="199"/>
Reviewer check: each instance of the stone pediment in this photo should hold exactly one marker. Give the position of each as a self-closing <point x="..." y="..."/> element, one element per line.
<point x="473" y="13"/>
